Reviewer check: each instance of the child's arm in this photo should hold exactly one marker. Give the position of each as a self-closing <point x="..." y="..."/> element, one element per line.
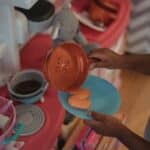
<point x="140" y="63"/>
<point x="109" y="59"/>
<point x="110" y="126"/>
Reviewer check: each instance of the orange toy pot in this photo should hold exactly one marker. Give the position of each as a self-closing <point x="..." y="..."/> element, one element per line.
<point x="102" y="11"/>
<point x="66" y="67"/>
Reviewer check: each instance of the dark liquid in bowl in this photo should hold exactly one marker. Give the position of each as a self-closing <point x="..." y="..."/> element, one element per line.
<point x="27" y="87"/>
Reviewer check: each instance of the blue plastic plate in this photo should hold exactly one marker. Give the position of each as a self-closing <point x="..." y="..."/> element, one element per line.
<point x="104" y="98"/>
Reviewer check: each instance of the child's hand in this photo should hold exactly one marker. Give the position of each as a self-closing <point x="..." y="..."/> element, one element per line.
<point x="105" y="58"/>
<point x="105" y="125"/>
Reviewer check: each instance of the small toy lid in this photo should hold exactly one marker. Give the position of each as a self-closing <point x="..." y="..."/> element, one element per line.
<point x="66" y="66"/>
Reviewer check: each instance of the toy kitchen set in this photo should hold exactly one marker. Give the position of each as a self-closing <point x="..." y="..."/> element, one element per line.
<point x="31" y="113"/>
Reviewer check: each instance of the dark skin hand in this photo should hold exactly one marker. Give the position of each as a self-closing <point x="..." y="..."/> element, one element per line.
<point x="105" y="58"/>
<point x="107" y="125"/>
<point x="110" y="126"/>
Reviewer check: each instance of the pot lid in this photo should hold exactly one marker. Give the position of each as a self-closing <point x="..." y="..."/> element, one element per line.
<point x="66" y="66"/>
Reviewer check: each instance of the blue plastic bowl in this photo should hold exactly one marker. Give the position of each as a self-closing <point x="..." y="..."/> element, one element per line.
<point x="28" y="100"/>
<point x="25" y="76"/>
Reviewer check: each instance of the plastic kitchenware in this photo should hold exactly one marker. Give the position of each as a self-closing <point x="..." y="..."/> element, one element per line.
<point x="84" y="19"/>
<point x="24" y="76"/>
<point x="103" y="11"/>
<point x="3" y="121"/>
<point x="32" y="56"/>
<point x="4" y="106"/>
<point x="38" y="45"/>
<point x="39" y="86"/>
<point x="83" y="5"/>
<point x="6" y="136"/>
<point x="28" y="100"/>
<point x="113" y="31"/>
<point x="31" y="116"/>
<point x="104" y="98"/>
<point x="22" y="30"/>
<point x="66" y="67"/>
<point x="69" y="23"/>
<point x="18" y="128"/>
<point x="39" y="16"/>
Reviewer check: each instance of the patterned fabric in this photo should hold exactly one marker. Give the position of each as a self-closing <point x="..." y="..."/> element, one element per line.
<point x="139" y="27"/>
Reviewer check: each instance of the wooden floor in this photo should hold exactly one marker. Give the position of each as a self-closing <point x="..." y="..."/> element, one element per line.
<point x="135" y="94"/>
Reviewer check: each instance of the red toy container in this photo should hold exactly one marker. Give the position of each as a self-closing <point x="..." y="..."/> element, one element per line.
<point x="109" y="37"/>
<point x="66" y="67"/>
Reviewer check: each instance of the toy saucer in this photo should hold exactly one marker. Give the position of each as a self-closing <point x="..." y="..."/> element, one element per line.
<point x="104" y="98"/>
<point x="32" y="117"/>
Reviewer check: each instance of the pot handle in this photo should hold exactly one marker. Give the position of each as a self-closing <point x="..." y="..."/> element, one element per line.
<point x="18" y="130"/>
<point x="45" y="86"/>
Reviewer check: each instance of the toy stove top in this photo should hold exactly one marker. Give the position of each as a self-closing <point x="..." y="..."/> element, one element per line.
<point x="51" y="107"/>
<point x="32" y="117"/>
